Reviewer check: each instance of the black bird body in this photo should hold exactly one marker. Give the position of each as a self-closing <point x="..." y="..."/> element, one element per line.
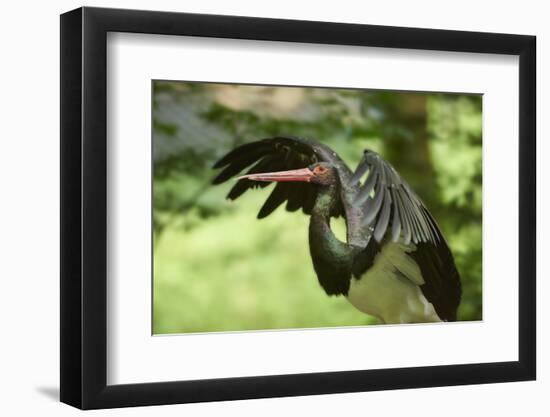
<point x="395" y="263"/>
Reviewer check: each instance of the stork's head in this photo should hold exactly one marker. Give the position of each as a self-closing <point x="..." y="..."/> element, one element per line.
<point x="320" y="173"/>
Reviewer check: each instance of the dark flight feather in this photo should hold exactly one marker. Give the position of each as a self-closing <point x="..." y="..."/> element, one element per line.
<point x="389" y="186"/>
<point x="442" y="285"/>
<point x="277" y="197"/>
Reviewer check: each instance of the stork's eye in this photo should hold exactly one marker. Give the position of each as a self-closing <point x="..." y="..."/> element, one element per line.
<point x="319" y="170"/>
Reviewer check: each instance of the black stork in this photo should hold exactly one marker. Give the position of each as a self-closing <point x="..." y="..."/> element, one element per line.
<point x="395" y="264"/>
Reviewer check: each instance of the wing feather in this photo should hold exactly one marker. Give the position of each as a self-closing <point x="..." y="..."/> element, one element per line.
<point x="277" y="197"/>
<point x="397" y="214"/>
<point x="396" y="223"/>
<point x="278" y="154"/>
<point x="382" y="224"/>
<point x="373" y="205"/>
<point x="409" y="212"/>
<point x="366" y="189"/>
<point x="405" y="221"/>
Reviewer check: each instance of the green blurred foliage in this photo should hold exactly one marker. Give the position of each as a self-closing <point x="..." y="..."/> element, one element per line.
<point x="218" y="268"/>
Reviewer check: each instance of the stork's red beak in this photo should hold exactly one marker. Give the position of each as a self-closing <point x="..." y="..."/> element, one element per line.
<point x="304" y="175"/>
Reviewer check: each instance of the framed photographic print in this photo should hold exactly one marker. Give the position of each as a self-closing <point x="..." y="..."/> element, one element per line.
<point x="257" y="207"/>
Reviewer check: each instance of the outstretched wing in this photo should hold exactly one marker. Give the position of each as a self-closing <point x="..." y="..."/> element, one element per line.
<point x="389" y="204"/>
<point x="278" y="154"/>
<point x="391" y="211"/>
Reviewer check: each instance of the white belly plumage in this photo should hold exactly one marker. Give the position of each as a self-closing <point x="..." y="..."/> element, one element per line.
<point x="390" y="289"/>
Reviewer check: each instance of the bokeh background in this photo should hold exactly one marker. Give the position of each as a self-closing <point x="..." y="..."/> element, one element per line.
<point x="218" y="268"/>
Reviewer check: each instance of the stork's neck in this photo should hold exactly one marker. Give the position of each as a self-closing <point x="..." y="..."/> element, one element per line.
<point x="331" y="257"/>
<point x="325" y="204"/>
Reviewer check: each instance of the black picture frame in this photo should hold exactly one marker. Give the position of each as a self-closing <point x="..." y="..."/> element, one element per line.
<point x="84" y="207"/>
